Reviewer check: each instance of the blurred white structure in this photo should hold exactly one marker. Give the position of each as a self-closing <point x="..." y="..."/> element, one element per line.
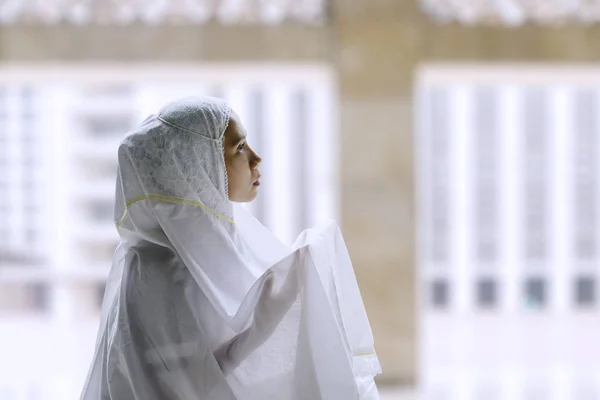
<point x="513" y="12"/>
<point x="509" y="232"/>
<point x="160" y="12"/>
<point x="59" y="133"/>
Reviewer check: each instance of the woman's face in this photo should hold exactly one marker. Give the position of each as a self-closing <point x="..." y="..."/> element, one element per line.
<point x="241" y="163"/>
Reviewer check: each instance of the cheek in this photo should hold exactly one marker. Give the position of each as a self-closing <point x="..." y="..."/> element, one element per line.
<point x="237" y="171"/>
<point x="240" y="166"/>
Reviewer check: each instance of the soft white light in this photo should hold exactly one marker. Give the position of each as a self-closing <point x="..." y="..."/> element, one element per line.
<point x="156" y="12"/>
<point x="512" y="12"/>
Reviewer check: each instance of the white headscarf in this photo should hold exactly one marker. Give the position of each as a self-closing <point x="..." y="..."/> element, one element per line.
<point x="203" y="302"/>
<point x="178" y="154"/>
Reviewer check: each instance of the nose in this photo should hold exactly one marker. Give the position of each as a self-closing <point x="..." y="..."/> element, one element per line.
<point x="256" y="160"/>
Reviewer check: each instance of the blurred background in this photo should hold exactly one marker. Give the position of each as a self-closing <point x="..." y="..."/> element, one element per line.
<point x="456" y="142"/>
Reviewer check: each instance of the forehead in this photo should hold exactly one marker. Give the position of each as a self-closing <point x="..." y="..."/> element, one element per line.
<point x="235" y="129"/>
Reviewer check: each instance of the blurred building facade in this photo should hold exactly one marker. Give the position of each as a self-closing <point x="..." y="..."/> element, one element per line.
<point x="374" y="51"/>
<point x="508" y="228"/>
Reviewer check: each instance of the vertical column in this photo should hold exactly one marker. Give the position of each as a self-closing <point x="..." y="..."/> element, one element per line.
<point x="32" y="197"/>
<point x="462" y="261"/>
<point x="560" y="271"/>
<point x="15" y="177"/>
<point x="298" y="158"/>
<point x="584" y="164"/>
<point x="435" y="174"/>
<point x="486" y="222"/>
<point x="595" y="269"/>
<point x="57" y="118"/>
<point x="376" y="78"/>
<point x="323" y="152"/>
<point x="562" y="136"/>
<point x="537" y="205"/>
<point x="278" y="188"/>
<point x="5" y="165"/>
<point x="257" y="135"/>
<point x="510" y="193"/>
<point x="461" y="134"/>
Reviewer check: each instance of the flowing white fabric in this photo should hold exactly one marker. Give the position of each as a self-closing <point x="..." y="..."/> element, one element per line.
<point x="202" y="301"/>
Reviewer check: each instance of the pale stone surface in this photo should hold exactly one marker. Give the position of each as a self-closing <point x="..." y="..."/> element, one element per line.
<point x="376" y="55"/>
<point x="186" y="44"/>
<point x="376" y="58"/>
<point x="377" y="219"/>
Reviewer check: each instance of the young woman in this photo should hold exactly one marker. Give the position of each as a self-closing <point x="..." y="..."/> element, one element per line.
<point x="202" y="301"/>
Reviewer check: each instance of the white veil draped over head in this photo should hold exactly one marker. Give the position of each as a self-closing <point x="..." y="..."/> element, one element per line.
<point x="202" y="301"/>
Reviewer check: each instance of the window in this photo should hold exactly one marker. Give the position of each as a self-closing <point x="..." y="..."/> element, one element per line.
<point x="440" y="293"/>
<point x="487" y="293"/>
<point x="108" y="91"/>
<point x="485" y="171"/>
<point x="3" y="201"/>
<point x="30" y="207"/>
<point x="101" y="211"/>
<point x="585" y="291"/>
<point x="534" y="172"/>
<point x="108" y="125"/>
<point x="438" y="155"/>
<point x="535" y="292"/>
<point x="98" y="170"/>
<point x="4" y="235"/>
<point x="27" y="105"/>
<point x="98" y="253"/>
<point x="521" y="156"/>
<point x="3" y="106"/>
<point x="31" y="235"/>
<point x="300" y="151"/>
<point x="585" y="176"/>
<point x="39" y="296"/>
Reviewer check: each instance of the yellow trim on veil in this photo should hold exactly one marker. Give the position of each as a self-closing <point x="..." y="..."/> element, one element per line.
<point x="170" y="200"/>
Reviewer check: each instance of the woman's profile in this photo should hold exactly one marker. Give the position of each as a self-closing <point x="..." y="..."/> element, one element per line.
<point x="202" y="301"/>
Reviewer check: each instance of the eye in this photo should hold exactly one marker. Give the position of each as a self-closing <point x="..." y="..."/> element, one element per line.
<point x="241" y="146"/>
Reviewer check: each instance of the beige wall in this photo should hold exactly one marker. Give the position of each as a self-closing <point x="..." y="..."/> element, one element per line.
<point x="375" y="46"/>
<point x="378" y="48"/>
<point x="374" y="59"/>
<point x="141" y="43"/>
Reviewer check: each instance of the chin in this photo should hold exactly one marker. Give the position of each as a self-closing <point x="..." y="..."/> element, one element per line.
<point x="246" y="199"/>
<point x="252" y="197"/>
